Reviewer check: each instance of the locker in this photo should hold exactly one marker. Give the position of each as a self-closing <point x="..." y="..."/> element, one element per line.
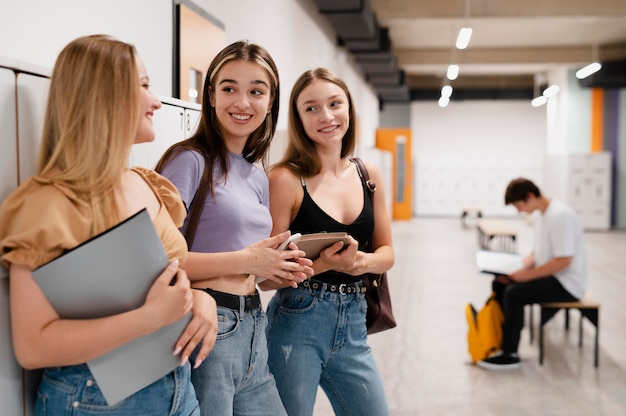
<point x="11" y="390"/>
<point x="589" y="184"/>
<point x="32" y="93"/>
<point x="173" y="122"/>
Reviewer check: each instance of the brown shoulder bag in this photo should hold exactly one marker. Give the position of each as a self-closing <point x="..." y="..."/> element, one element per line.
<point x="379" y="312"/>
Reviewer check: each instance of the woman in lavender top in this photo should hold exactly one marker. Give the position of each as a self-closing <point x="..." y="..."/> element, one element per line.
<point x="231" y="248"/>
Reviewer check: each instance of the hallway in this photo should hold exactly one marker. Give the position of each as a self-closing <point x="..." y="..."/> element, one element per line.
<point x="424" y="361"/>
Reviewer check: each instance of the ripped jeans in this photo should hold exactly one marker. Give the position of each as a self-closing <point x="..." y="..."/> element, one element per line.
<point x="318" y="337"/>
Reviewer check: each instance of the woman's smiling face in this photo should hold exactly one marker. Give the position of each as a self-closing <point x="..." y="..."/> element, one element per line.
<point x="242" y="99"/>
<point x="324" y="110"/>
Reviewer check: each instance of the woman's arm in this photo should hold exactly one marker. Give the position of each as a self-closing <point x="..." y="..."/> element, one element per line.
<point x="42" y="339"/>
<point x="259" y="259"/>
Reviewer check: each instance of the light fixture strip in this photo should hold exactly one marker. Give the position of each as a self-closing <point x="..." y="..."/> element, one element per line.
<point x="453" y="72"/>
<point x="585" y="71"/>
<point x="465" y="33"/>
<point x="539" y="101"/>
<point x="464" y="37"/>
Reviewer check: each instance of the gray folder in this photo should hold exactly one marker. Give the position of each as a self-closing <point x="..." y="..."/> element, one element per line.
<point x="109" y="274"/>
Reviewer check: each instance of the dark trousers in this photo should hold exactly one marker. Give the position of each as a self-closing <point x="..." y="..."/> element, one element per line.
<point x="514" y="296"/>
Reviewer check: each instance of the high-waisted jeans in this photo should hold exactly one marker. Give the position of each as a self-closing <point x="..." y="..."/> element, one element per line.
<point x="72" y="391"/>
<point x="235" y="378"/>
<point x="318" y="338"/>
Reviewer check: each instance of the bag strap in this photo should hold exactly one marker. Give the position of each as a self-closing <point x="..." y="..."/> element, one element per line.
<point x="197" y="203"/>
<point x="371" y="187"/>
<point x="365" y="177"/>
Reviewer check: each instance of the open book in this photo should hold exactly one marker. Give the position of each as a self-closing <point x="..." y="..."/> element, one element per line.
<point x="314" y="244"/>
<point x="496" y="262"/>
<point x="109" y="274"/>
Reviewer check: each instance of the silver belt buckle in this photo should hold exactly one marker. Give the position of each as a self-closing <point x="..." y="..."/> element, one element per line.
<point x="342" y="288"/>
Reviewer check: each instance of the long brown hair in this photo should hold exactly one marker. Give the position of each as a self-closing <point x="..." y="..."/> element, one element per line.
<point x="301" y="156"/>
<point x="91" y="121"/>
<point x="208" y="139"/>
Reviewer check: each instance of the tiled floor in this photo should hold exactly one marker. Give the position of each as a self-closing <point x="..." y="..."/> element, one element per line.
<point x="425" y="364"/>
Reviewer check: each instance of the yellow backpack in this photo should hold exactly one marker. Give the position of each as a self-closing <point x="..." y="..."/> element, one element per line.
<point x="484" y="336"/>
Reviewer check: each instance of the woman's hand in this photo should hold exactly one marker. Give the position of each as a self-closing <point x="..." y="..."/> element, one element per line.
<point x="280" y="266"/>
<point x="169" y="297"/>
<point x="202" y="327"/>
<point x="337" y="257"/>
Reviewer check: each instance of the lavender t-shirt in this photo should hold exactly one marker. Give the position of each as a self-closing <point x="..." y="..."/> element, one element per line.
<point x="238" y="215"/>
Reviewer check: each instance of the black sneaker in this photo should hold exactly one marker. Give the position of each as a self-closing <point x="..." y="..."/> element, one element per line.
<point x="500" y="362"/>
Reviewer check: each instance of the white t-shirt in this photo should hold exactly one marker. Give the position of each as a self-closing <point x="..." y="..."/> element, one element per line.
<point x="558" y="233"/>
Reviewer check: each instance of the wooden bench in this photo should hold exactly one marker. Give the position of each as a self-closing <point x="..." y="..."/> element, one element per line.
<point x="488" y="229"/>
<point x="587" y="306"/>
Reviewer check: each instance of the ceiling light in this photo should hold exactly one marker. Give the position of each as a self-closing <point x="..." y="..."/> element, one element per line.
<point x="551" y="91"/>
<point x="585" y="71"/>
<point x="453" y="72"/>
<point x="539" y="101"/>
<point x="444" y="101"/>
<point x="446" y="91"/>
<point x="464" y="37"/>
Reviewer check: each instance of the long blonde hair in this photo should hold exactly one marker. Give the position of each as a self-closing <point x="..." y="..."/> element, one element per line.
<point x="91" y="120"/>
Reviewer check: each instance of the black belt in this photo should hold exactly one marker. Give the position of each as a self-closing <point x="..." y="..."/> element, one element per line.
<point x="342" y="288"/>
<point x="230" y="301"/>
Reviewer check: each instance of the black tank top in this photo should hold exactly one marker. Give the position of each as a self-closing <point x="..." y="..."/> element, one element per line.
<point x="312" y="219"/>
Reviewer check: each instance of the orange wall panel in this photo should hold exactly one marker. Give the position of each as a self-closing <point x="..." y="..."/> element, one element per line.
<point x="398" y="142"/>
<point x="597" y="119"/>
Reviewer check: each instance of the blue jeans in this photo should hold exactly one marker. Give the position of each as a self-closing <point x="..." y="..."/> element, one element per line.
<point x="72" y="391"/>
<point x="235" y="378"/>
<point x="317" y="337"/>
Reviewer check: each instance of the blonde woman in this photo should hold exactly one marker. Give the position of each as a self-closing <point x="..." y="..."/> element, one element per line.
<point x="99" y="104"/>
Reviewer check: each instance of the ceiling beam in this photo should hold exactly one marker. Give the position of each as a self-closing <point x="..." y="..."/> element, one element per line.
<point x="402" y="9"/>
<point x="555" y="55"/>
<point x="469" y="81"/>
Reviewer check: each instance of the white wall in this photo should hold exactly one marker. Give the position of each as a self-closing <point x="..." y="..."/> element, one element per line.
<point x="298" y="38"/>
<point x="295" y="34"/>
<point x="35" y="31"/>
<point x="467" y="152"/>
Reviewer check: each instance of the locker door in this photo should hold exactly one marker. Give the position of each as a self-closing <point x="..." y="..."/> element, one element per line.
<point x="138" y="155"/>
<point x="32" y="93"/>
<point x="10" y="372"/>
<point x="191" y="117"/>
<point x="169" y="125"/>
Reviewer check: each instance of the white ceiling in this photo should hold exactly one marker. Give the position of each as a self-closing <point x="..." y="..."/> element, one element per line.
<point x="521" y="38"/>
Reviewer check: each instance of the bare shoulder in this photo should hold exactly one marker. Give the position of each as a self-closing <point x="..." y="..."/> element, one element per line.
<point x="283" y="178"/>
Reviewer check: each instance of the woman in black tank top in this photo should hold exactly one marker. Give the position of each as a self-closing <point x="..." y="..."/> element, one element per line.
<point x="317" y="334"/>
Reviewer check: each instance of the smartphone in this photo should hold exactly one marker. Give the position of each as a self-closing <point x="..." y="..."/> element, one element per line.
<point x="292" y="238"/>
